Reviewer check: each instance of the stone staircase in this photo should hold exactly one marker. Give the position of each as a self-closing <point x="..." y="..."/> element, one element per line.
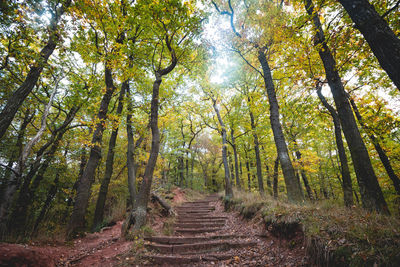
<point x="200" y="235"/>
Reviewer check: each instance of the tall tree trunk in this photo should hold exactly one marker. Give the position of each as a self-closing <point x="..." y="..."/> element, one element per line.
<point x="344" y="167"/>
<point x="130" y="160"/>
<point x="383" y="41"/>
<point x="293" y="188"/>
<point x="102" y="197"/>
<point x="228" y="185"/>
<point x="248" y="173"/>
<point x="19" y="96"/>
<point x="304" y="175"/>
<point x="77" y="220"/>
<point x="231" y="168"/>
<point x="140" y="208"/>
<point x="138" y="216"/>
<point x="382" y="154"/>
<point x="371" y="193"/>
<point x="275" y="177"/>
<point x="181" y="166"/>
<point x="269" y="185"/>
<point x="181" y="161"/>
<point x="193" y="155"/>
<point x="235" y="154"/>
<point x="256" y="150"/>
<point x="187" y="168"/>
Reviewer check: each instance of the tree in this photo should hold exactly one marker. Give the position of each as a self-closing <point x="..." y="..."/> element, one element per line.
<point x="371" y="192"/>
<point x="344" y="167"/>
<point x="18" y="97"/>
<point x="382" y="40"/>
<point x="228" y="185"/>
<point x="262" y="47"/>
<point x="101" y="199"/>
<point x="174" y="30"/>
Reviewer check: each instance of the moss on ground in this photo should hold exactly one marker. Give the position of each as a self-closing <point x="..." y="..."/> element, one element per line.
<point x="333" y="235"/>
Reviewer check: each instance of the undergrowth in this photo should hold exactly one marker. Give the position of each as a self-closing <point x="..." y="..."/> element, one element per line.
<point x="333" y="235"/>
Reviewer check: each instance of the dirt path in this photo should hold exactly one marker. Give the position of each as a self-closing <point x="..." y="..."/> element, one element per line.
<point x="97" y="249"/>
<point x="205" y="235"/>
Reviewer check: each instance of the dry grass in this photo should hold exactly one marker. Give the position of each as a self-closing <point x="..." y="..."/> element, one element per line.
<point x="333" y="234"/>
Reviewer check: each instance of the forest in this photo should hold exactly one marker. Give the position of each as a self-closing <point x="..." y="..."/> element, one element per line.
<point x="107" y="103"/>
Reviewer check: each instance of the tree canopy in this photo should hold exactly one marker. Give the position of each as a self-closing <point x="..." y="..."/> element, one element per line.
<point x="103" y="102"/>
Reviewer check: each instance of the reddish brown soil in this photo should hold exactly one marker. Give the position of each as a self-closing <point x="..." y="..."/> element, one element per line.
<point x="108" y="249"/>
<point x="97" y="249"/>
<point x="179" y="196"/>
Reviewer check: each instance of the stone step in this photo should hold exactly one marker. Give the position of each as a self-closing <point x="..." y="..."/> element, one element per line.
<point x="193" y="214"/>
<point x="196" y="217"/>
<point x="189" y="239"/>
<point x="199" y="225"/>
<point x="177" y="260"/>
<point x="193" y="211"/>
<point x="201" y="221"/>
<point x="197" y="230"/>
<point x="198" y="202"/>
<point x="195" y="208"/>
<point x="201" y="247"/>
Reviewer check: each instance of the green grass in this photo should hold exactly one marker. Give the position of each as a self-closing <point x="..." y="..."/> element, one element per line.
<point x="333" y="235"/>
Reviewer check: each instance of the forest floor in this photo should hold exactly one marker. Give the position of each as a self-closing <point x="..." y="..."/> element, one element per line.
<point x="107" y="248"/>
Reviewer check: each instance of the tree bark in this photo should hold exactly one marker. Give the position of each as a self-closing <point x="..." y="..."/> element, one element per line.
<point x="19" y="96"/>
<point x="248" y="173"/>
<point x="256" y="150"/>
<point x="275" y="178"/>
<point x="292" y="184"/>
<point x="371" y="193"/>
<point x="269" y="185"/>
<point x="228" y="185"/>
<point x="138" y="216"/>
<point x="181" y="167"/>
<point x="382" y="40"/>
<point x="381" y="153"/>
<point x="102" y="197"/>
<point x="231" y="167"/>
<point x="130" y="154"/>
<point x="235" y="154"/>
<point x="140" y="208"/>
<point x="167" y="208"/>
<point x="77" y="220"/>
<point x="303" y="174"/>
<point x="181" y="161"/>
<point x="344" y="167"/>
